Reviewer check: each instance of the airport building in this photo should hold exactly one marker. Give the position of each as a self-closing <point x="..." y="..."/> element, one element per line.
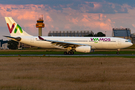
<point x="70" y="33"/>
<point x="3" y="44"/>
<point x="133" y="38"/>
<point x="122" y="32"/>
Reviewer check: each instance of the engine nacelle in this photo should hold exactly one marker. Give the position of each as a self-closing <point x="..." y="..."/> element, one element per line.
<point x="84" y="49"/>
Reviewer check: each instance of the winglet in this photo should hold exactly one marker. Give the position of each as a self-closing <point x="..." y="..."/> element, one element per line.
<point x="41" y="38"/>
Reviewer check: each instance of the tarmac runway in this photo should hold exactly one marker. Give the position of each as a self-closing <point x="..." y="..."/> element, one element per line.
<point x="61" y="55"/>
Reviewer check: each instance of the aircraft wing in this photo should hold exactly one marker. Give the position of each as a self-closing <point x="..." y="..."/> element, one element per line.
<point x="63" y="44"/>
<point x="13" y="38"/>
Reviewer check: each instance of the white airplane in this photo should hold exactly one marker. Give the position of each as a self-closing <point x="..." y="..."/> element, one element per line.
<point x="71" y="44"/>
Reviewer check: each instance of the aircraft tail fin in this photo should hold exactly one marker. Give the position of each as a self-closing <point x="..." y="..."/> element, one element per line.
<point x="14" y="28"/>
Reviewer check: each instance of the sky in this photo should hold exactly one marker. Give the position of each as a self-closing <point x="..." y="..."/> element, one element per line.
<point x="69" y="15"/>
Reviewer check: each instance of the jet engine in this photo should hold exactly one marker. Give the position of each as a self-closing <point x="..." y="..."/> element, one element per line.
<point x="84" y="49"/>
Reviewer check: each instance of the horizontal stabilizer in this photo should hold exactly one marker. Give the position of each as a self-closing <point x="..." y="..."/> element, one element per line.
<point x="14" y="38"/>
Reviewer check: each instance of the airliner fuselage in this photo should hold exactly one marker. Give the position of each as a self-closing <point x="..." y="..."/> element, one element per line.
<point x="94" y="42"/>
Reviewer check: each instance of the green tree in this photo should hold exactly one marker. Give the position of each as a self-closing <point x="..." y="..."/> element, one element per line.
<point x="100" y="34"/>
<point x="12" y="44"/>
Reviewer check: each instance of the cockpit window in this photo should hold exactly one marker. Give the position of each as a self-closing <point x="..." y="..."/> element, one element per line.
<point x="128" y="40"/>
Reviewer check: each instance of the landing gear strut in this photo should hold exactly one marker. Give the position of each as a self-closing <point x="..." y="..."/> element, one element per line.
<point x="118" y="51"/>
<point x="69" y="53"/>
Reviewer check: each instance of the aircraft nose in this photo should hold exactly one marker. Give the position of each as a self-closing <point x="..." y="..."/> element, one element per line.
<point x="130" y="44"/>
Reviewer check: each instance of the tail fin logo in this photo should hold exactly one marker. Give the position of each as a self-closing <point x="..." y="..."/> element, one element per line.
<point x="17" y="28"/>
<point x="11" y="29"/>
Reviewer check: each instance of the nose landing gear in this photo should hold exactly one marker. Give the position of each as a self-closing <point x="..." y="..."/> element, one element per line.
<point x="118" y="51"/>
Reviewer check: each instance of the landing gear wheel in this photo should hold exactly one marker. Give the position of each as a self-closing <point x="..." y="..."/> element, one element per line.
<point x="69" y="53"/>
<point x="65" y="53"/>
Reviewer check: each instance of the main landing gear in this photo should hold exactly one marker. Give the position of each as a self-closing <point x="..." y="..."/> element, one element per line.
<point x="68" y="53"/>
